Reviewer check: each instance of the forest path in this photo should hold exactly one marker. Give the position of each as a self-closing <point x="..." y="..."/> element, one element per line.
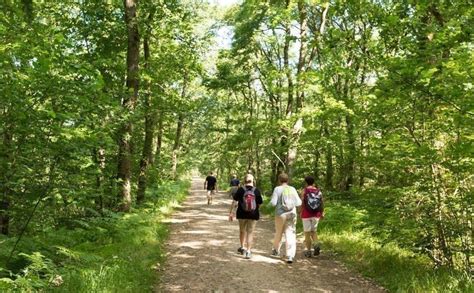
<point x="202" y="256"/>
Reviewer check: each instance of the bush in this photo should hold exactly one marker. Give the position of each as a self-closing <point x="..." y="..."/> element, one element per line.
<point x="114" y="253"/>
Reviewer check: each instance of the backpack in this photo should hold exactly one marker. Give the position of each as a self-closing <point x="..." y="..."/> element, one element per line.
<point x="313" y="200"/>
<point x="287" y="200"/>
<point x="249" y="203"/>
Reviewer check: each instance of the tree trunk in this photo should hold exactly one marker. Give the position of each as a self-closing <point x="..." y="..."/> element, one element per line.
<point x="351" y="155"/>
<point x="293" y="148"/>
<point x="147" y="155"/>
<point x="159" y="136"/>
<point x="286" y="68"/>
<point x="302" y="54"/>
<point x="287" y="139"/>
<point x="257" y="166"/>
<point x="100" y="161"/>
<point x="364" y="155"/>
<point x="445" y="252"/>
<point x="316" y="170"/>
<point x="6" y="159"/>
<point x="302" y="62"/>
<point x="281" y="165"/>
<point x="128" y="103"/>
<point x="148" y="151"/>
<point x="274" y="175"/>
<point x="179" y="129"/>
<point x="4" y="216"/>
<point x="276" y="166"/>
<point x="341" y="165"/>
<point x="329" y="163"/>
<point x="177" y="141"/>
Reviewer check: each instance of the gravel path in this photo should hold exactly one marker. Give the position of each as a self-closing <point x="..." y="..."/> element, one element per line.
<point x="202" y="256"/>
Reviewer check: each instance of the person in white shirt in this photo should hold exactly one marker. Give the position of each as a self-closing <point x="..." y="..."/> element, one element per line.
<point x="285" y="199"/>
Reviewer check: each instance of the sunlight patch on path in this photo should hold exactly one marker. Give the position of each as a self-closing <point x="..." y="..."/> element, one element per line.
<point x="175" y="221"/>
<point x="196" y="232"/>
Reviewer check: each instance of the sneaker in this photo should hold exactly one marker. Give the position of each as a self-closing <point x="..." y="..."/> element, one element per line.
<point x="289" y="260"/>
<point x="317" y="250"/>
<point x="275" y="252"/>
<point x="307" y="253"/>
<point x="241" y="250"/>
<point x="248" y="254"/>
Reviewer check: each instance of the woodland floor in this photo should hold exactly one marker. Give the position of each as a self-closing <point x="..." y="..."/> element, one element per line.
<point x="202" y="256"/>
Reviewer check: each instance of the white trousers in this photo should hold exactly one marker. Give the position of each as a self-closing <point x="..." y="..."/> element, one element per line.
<point x="286" y="223"/>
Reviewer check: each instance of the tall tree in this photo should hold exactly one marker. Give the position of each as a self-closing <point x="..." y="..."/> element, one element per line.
<point x="179" y="129"/>
<point x="129" y="103"/>
<point x="148" y="151"/>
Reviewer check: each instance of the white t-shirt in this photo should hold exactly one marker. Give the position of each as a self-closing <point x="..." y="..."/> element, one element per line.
<point x="276" y="202"/>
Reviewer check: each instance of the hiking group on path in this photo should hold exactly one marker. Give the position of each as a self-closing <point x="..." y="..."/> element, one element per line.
<point x="246" y="202"/>
<point x="201" y="251"/>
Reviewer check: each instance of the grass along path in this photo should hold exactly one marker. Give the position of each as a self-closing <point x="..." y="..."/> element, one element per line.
<point x="116" y="252"/>
<point x="201" y="255"/>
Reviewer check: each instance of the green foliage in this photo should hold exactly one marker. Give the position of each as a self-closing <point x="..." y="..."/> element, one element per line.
<point x="366" y="233"/>
<point x="39" y="273"/>
<point x="116" y="252"/>
<point x="395" y="269"/>
<point x="372" y="98"/>
<point x="386" y="111"/>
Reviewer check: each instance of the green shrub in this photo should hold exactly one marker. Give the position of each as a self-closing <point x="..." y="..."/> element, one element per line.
<point x="114" y="253"/>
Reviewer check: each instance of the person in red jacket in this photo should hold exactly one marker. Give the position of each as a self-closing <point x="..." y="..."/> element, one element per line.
<point x="311" y="212"/>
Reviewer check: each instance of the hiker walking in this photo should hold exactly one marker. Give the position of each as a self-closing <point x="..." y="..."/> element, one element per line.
<point x="234" y="185"/>
<point x="311" y="212"/>
<point x="248" y="199"/>
<point x="285" y="199"/>
<point x="211" y="186"/>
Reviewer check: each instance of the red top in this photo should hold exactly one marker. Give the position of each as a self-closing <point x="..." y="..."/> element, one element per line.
<point x="305" y="213"/>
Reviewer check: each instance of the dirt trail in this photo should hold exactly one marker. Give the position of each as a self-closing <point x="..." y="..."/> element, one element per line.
<point x="202" y="256"/>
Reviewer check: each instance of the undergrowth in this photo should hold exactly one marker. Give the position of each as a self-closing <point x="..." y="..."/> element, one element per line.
<point x="360" y="230"/>
<point x="116" y="252"/>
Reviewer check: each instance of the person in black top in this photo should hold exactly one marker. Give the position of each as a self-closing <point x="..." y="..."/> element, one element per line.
<point x="234" y="185"/>
<point x="211" y="186"/>
<point x="248" y="200"/>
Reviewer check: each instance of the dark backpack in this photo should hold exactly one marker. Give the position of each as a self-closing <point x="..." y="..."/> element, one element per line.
<point x="249" y="203"/>
<point x="314" y="200"/>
